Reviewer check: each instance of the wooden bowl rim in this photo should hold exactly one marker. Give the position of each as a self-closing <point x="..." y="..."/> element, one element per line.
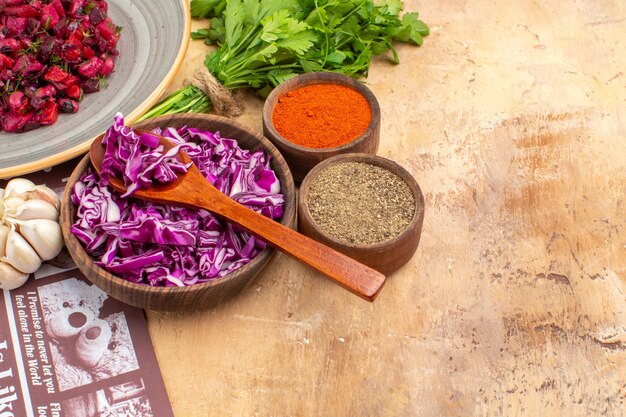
<point x="313" y="78"/>
<point x="376" y="160"/>
<point x="290" y="211"/>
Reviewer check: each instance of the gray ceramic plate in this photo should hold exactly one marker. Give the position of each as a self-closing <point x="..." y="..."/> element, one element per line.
<point x="154" y="41"/>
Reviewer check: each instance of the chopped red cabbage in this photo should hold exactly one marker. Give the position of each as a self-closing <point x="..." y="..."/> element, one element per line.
<point x="163" y="245"/>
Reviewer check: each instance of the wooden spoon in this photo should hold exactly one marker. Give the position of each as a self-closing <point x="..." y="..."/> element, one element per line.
<point x="193" y="190"/>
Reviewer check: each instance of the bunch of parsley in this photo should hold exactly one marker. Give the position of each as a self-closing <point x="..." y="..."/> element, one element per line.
<point x="262" y="43"/>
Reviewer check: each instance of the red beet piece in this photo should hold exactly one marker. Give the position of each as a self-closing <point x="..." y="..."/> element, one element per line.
<point x="49" y="114"/>
<point x="74" y="92"/>
<point x="71" y="52"/>
<point x="90" y="68"/>
<point x="58" y="7"/>
<point x="68" y="106"/>
<point x="27" y="64"/>
<point x="91" y="85"/>
<point x="18" y="103"/>
<point x="5" y="3"/>
<point x="97" y="15"/>
<point x="41" y="96"/>
<point x="70" y="81"/>
<point x="46" y="91"/>
<point x="106" y="29"/>
<point x="60" y="29"/>
<point x="6" y="75"/>
<point x="6" y="62"/>
<point x="16" y="25"/>
<point x="32" y="25"/>
<point x="25" y="43"/>
<point x="55" y="75"/>
<point x="107" y="67"/>
<point x="12" y="122"/>
<point x="48" y="47"/>
<point x="9" y="45"/>
<point x="25" y="10"/>
<point x="49" y="16"/>
<point x="75" y="7"/>
<point x="88" y="53"/>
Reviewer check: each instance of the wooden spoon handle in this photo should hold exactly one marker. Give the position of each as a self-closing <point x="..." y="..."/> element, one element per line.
<point x="352" y="275"/>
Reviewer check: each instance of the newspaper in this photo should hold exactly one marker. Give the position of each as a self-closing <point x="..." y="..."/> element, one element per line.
<point x="68" y="349"/>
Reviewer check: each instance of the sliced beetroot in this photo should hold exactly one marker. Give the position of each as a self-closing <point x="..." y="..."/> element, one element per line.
<point x="75" y="7"/>
<point x="106" y="29"/>
<point x="5" y="3"/>
<point x="25" y="44"/>
<point x="91" y="85"/>
<point x="48" y="114"/>
<point x="47" y="90"/>
<point x="55" y="75"/>
<point x="58" y="6"/>
<point x="18" y="103"/>
<point x="101" y="4"/>
<point x="32" y="25"/>
<point x="71" y="52"/>
<point x="97" y="15"/>
<point x="36" y="4"/>
<point x="67" y="105"/>
<point x="108" y="65"/>
<point x="70" y="81"/>
<point x="49" y="46"/>
<point x="12" y="122"/>
<point x="16" y="25"/>
<point x="60" y="29"/>
<point x="90" y="68"/>
<point x="31" y="124"/>
<point x="51" y="52"/>
<point x="74" y="92"/>
<point x="88" y="53"/>
<point x="24" y="10"/>
<point x="49" y="16"/>
<point x="6" y="75"/>
<point x="6" y="62"/>
<point x="9" y="45"/>
<point x="42" y="95"/>
<point x="27" y="65"/>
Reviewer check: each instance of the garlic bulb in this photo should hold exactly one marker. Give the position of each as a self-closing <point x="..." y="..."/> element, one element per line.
<point x="29" y="230"/>
<point x="19" y="186"/>
<point x="34" y="209"/>
<point x="4" y="232"/>
<point x="44" y="236"/>
<point x="43" y="193"/>
<point x="11" y="277"/>
<point x="20" y="254"/>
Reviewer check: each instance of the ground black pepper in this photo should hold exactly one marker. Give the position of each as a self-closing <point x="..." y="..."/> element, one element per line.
<point x="360" y="203"/>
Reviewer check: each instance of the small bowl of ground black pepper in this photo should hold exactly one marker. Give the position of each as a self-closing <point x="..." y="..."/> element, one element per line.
<point x="366" y="206"/>
<point x="318" y="115"/>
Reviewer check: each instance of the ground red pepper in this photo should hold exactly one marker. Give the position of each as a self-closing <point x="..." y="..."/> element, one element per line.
<point x="322" y="115"/>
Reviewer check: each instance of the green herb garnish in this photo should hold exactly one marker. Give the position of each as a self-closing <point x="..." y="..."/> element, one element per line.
<point x="262" y="43"/>
<point x="205" y="8"/>
<point x="186" y="100"/>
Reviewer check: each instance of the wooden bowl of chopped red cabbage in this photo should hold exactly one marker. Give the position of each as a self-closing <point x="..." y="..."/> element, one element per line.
<point x="171" y="258"/>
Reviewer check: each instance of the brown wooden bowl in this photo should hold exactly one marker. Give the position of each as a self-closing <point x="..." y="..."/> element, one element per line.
<point x="195" y="296"/>
<point x="301" y="159"/>
<point x="386" y="256"/>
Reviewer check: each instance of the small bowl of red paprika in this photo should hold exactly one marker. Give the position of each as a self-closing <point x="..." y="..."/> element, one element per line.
<point x="314" y="116"/>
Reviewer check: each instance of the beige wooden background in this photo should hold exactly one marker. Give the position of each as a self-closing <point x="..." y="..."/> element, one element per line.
<point x="512" y="118"/>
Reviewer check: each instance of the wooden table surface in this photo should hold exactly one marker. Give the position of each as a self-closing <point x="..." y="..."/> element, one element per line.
<point x="512" y="118"/>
